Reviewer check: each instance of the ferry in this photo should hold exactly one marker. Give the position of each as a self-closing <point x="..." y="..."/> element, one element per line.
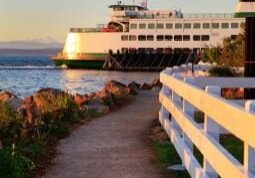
<point x="137" y="27"/>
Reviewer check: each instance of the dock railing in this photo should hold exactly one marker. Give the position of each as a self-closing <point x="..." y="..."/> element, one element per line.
<point x="185" y="92"/>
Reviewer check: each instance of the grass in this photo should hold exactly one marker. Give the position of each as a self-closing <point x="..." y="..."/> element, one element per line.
<point x="233" y="145"/>
<point x="167" y="155"/>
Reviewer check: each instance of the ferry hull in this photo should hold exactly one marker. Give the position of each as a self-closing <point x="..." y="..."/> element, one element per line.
<point x="80" y="64"/>
<point x="81" y="61"/>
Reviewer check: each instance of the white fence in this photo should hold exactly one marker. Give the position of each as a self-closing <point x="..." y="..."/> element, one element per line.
<point x="183" y="94"/>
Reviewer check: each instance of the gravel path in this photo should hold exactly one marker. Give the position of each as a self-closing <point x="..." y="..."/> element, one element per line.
<point x="113" y="146"/>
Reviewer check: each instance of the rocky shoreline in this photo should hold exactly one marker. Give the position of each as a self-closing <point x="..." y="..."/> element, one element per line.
<point x="30" y="128"/>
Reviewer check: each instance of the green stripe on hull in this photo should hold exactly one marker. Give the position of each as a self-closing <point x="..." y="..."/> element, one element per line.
<point x="244" y="14"/>
<point x="81" y="64"/>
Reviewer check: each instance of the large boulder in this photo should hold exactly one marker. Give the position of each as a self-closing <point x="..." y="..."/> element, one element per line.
<point x="5" y="96"/>
<point x="117" y="89"/>
<point x="106" y="96"/>
<point x="156" y="83"/>
<point x="81" y="99"/>
<point x="11" y="99"/>
<point x="145" y="86"/>
<point x="32" y="115"/>
<point x="97" y="107"/>
<point x="51" y="100"/>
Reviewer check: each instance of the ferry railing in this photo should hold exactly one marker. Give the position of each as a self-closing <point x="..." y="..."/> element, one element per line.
<point x="184" y="93"/>
<point x="185" y="15"/>
<point x="85" y="30"/>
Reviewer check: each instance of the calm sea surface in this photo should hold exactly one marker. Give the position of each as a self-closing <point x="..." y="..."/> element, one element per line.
<point x="24" y="75"/>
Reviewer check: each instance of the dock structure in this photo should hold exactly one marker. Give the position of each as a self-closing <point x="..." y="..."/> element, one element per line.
<point x="136" y="60"/>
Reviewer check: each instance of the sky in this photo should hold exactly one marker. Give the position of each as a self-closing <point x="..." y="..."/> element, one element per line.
<point x="51" y="19"/>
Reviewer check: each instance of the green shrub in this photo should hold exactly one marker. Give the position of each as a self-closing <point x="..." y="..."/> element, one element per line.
<point x="14" y="165"/>
<point x="221" y="71"/>
<point x="10" y="124"/>
<point x="54" y="101"/>
<point x="230" y="52"/>
<point x="34" y="150"/>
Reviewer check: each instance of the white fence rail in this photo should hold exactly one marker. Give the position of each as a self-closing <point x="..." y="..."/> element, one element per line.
<point x="183" y="94"/>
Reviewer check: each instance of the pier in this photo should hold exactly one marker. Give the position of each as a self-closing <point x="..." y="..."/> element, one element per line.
<point x="149" y="60"/>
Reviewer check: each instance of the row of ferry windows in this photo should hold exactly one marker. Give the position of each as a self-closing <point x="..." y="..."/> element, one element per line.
<point x="184" y="25"/>
<point x="165" y="38"/>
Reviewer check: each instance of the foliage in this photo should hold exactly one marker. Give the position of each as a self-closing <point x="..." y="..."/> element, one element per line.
<point x="168" y="156"/>
<point x="9" y="123"/>
<point x="54" y="100"/>
<point x="233" y="145"/>
<point x="221" y="71"/>
<point x="230" y="53"/>
<point x="14" y="165"/>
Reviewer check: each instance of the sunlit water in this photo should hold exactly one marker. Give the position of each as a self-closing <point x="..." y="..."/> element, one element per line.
<point x="24" y="75"/>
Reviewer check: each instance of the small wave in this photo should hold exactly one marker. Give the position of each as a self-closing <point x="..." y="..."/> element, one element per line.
<point x="29" y="67"/>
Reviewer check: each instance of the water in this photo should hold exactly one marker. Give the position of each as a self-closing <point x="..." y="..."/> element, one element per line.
<point x="24" y="75"/>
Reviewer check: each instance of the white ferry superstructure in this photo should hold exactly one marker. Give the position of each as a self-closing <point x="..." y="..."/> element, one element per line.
<point x="136" y="27"/>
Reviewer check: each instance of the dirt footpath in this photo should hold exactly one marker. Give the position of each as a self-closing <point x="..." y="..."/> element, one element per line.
<point x="113" y="146"/>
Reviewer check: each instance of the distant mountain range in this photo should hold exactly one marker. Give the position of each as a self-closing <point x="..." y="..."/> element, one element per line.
<point x="47" y="46"/>
<point x="31" y="44"/>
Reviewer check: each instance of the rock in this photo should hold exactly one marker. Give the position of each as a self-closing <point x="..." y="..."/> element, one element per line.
<point x="117" y="89"/>
<point x="16" y="103"/>
<point x="81" y="99"/>
<point x="156" y="83"/>
<point x="5" y="95"/>
<point x="106" y="97"/>
<point x="134" y="87"/>
<point x="145" y="86"/>
<point x="98" y="107"/>
<point x="33" y="116"/>
<point x="11" y="99"/>
<point x="1" y="145"/>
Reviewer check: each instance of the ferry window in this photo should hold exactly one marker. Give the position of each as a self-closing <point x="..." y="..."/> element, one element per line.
<point x="205" y="37"/>
<point x="196" y="25"/>
<point x="187" y="26"/>
<point x="225" y="25"/>
<point x="160" y="38"/>
<point x="168" y="37"/>
<point x="142" y="26"/>
<point x="124" y="38"/>
<point x="169" y="26"/>
<point x="178" y="38"/>
<point x="196" y="38"/>
<point x="133" y="26"/>
<point x="186" y="38"/>
<point x="215" y="25"/>
<point x="234" y="25"/>
<point x="132" y="38"/>
<point x="206" y="25"/>
<point x="150" y="38"/>
<point x="141" y="38"/>
<point x="160" y="26"/>
<point x="178" y="25"/>
<point x="151" y="26"/>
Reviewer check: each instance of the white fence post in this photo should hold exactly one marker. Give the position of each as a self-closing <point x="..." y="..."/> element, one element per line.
<point x="249" y="151"/>
<point x="212" y="129"/>
<point x="190" y="110"/>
